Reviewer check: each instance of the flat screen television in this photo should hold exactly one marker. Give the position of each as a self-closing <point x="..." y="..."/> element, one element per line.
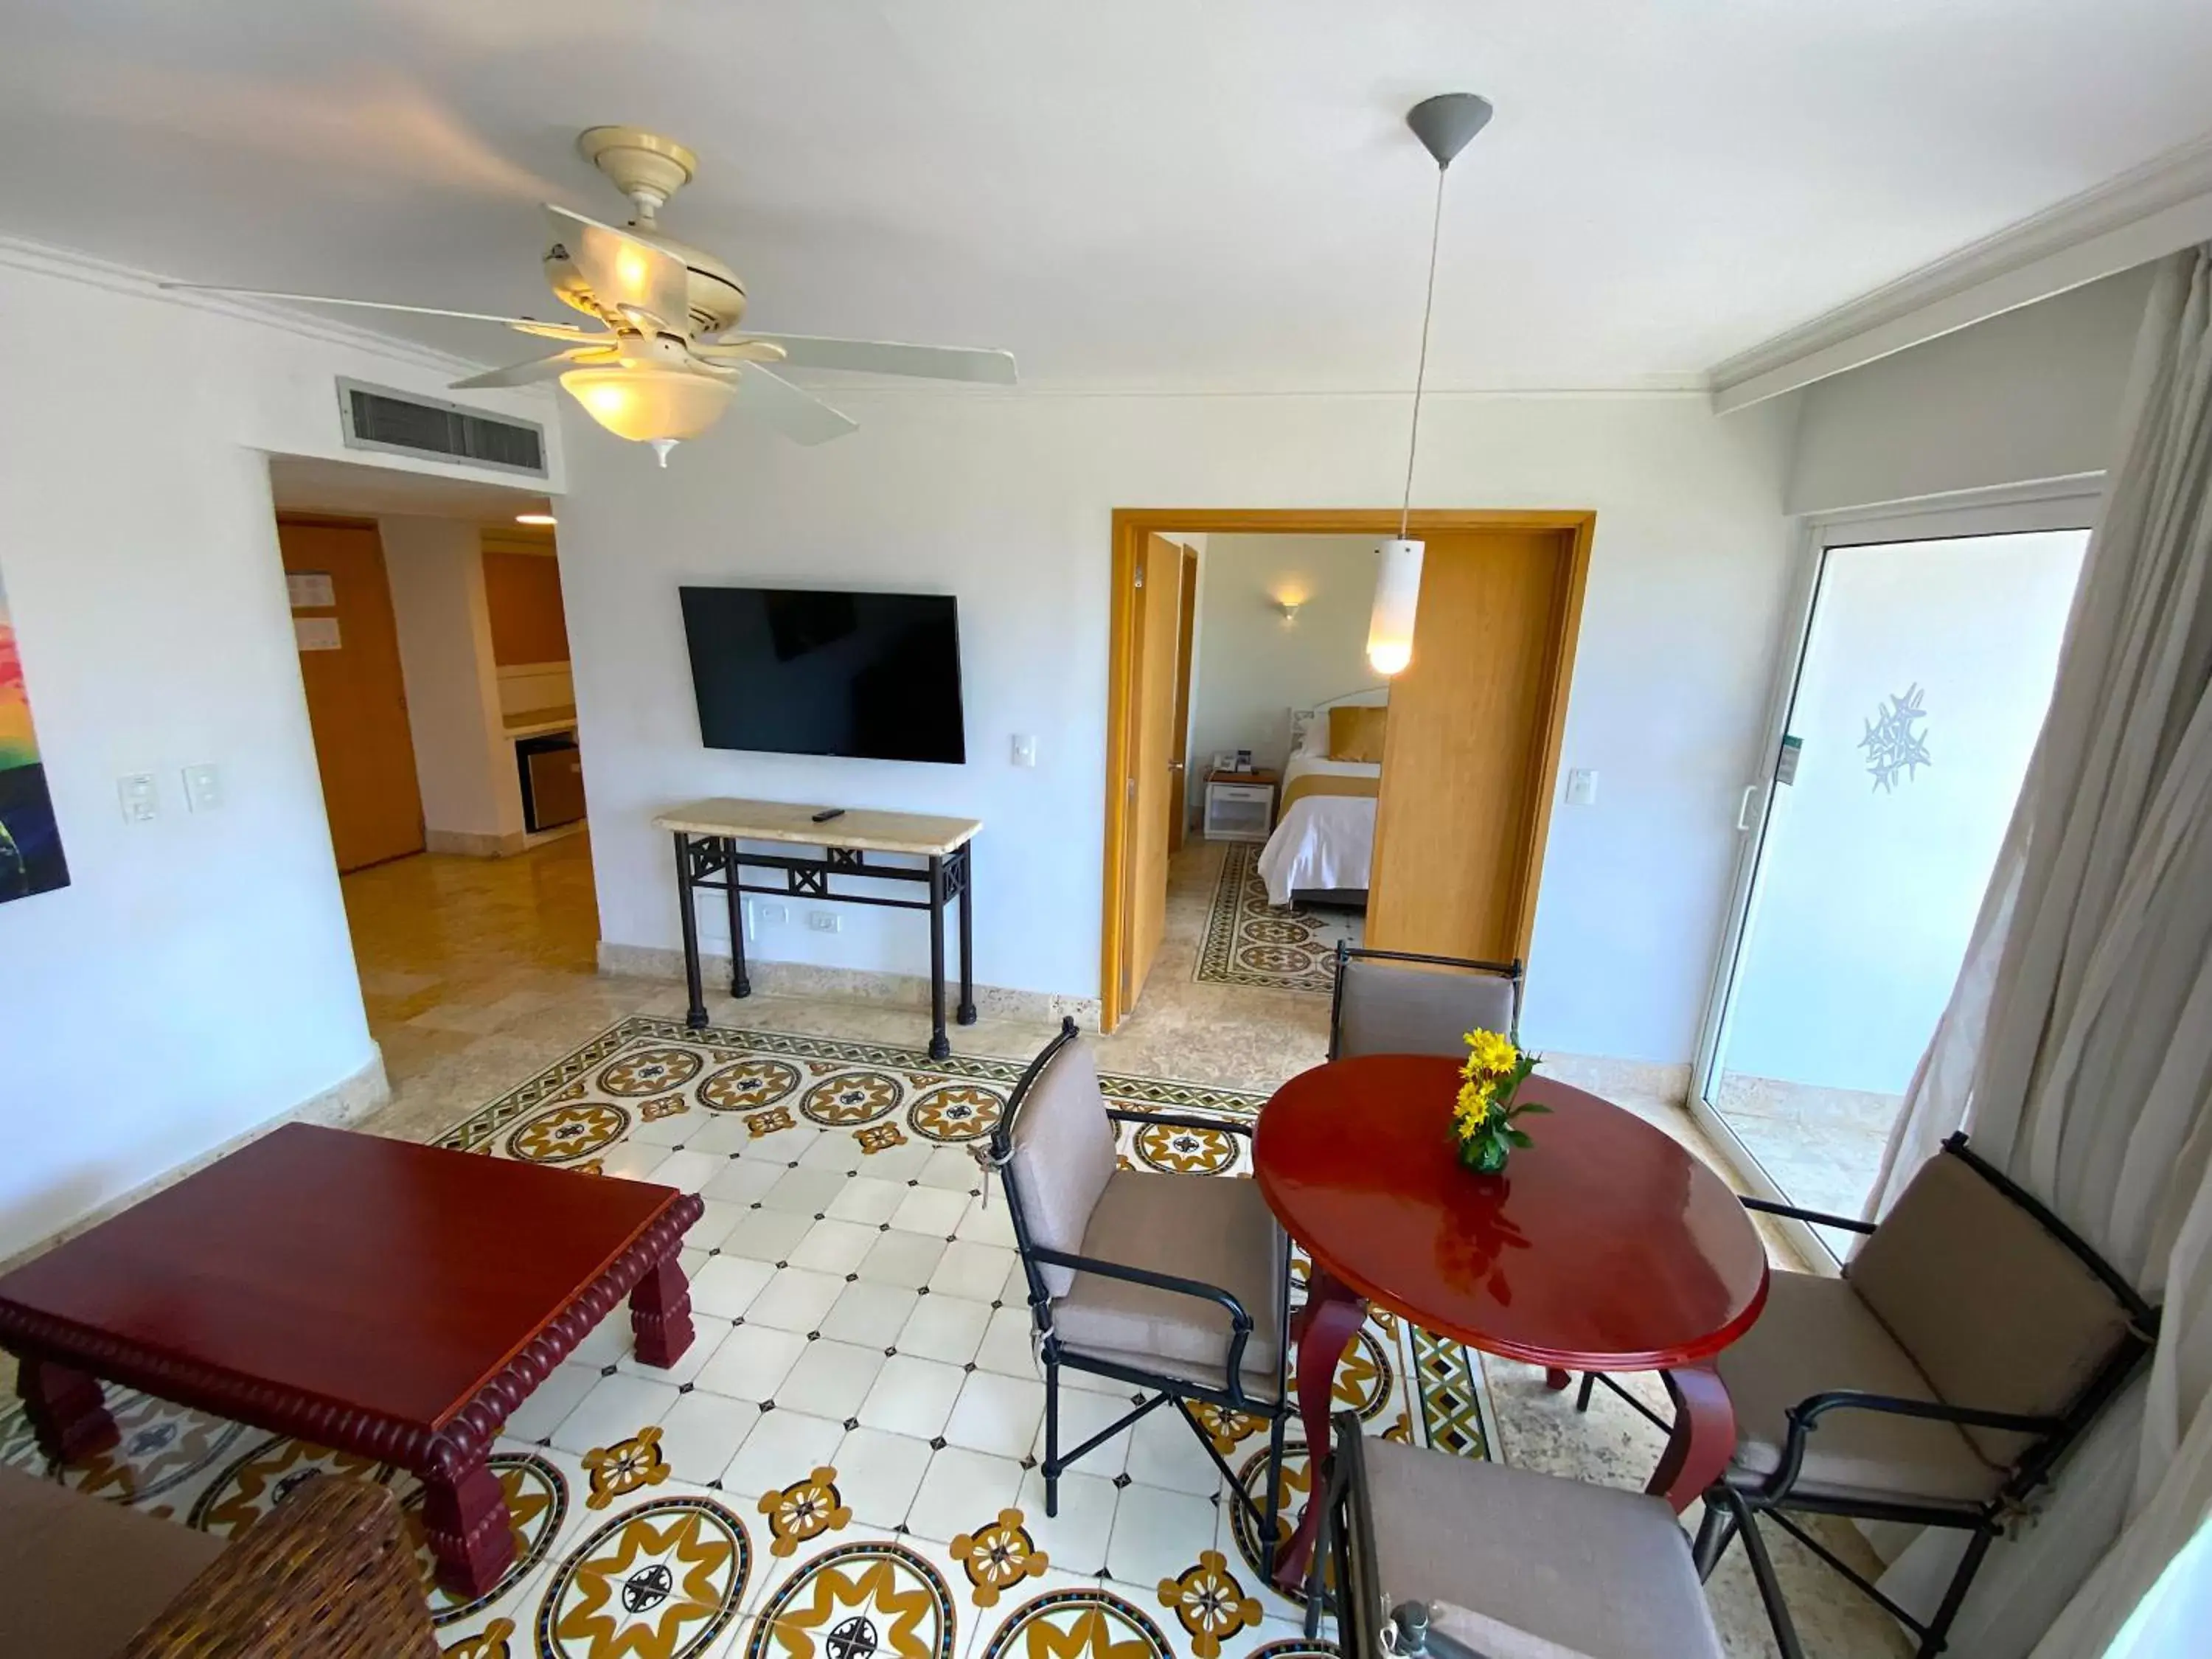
<point x="797" y="672"/>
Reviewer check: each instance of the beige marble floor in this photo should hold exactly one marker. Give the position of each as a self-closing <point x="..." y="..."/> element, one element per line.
<point x="479" y="974"/>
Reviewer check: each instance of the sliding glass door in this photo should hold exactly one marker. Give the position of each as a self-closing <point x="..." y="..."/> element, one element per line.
<point x="1921" y="674"/>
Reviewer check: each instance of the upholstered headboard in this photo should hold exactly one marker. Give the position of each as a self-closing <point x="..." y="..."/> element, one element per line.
<point x="1302" y="720"/>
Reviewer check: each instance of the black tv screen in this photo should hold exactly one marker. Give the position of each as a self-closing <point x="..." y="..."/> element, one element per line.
<point x="796" y="671"/>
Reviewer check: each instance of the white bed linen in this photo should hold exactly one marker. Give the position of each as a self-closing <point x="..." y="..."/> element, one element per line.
<point x="1323" y="842"/>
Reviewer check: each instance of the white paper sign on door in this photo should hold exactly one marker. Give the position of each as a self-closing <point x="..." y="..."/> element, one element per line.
<point x="310" y="590"/>
<point x="316" y="632"/>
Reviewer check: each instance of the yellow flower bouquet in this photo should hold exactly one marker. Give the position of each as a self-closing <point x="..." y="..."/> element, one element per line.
<point x="1490" y="1085"/>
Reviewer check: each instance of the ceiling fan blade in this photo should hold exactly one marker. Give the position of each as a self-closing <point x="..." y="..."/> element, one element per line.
<point x="799" y="416"/>
<point x="538" y="368"/>
<point x="991" y="367"/>
<point x="626" y="273"/>
<point x="524" y="325"/>
<point x="723" y="353"/>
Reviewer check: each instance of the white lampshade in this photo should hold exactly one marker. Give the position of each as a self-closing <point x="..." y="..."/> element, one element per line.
<point x="648" y="405"/>
<point x="1397" y="592"/>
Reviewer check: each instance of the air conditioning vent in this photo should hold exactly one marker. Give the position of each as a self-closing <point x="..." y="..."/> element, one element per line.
<point x="376" y="417"/>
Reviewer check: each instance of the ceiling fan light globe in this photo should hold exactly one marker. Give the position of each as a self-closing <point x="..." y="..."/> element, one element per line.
<point x="647" y="405"/>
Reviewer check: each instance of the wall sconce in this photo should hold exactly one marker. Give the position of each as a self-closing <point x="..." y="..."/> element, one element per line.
<point x="1287" y="600"/>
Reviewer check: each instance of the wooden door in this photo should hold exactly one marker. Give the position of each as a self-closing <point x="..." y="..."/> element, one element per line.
<point x="1464" y="760"/>
<point x="1186" y="631"/>
<point x="357" y="701"/>
<point x="1153" y="750"/>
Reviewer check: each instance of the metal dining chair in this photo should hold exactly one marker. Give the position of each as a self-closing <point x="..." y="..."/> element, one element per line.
<point x="1401" y="1002"/>
<point x="1968" y="1344"/>
<point x="1463" y="1558"/>
<point x="1177" y="1284"/>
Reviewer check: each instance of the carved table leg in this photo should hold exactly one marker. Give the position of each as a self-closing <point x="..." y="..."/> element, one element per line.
<point x="1323" y="1329"/>
<point x="66" y="1412"/>
<point x="470" y="1534"/>
<point x="1555" y="1379"/>
<point x="660" y="1313"/>
<point x="1704" y="1440"/>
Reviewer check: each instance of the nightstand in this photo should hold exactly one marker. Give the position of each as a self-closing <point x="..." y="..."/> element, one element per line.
<point x="1240" y="805"/>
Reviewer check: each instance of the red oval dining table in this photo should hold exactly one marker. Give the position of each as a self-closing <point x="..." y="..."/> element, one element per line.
<point x="1605" y="1245"/>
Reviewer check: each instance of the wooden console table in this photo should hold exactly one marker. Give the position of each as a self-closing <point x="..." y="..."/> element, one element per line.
<point x="708" y="856"/>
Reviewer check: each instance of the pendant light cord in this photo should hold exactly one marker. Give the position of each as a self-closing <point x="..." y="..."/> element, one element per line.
<point x="1421" y="372"/>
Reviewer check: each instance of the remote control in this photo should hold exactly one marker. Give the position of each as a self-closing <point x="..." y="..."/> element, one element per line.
<point x="827" y="813"/>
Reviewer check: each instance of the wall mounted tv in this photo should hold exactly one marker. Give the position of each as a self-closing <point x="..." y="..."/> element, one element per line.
<point x="797" y="672"/>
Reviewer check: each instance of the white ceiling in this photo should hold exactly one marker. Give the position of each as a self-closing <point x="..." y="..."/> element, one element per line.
<point x="1144" y="193"/>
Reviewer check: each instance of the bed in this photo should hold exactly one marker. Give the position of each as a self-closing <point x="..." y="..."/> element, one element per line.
<point x="1324" y="840"/>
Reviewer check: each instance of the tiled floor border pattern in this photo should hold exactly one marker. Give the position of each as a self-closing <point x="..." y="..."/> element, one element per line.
<point x="1247" y="941"/>
<point x="820" y="1538"/>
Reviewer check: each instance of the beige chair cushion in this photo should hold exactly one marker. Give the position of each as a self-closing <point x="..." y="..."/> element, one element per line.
<point x="1063" y="1153"/>
<point x="1216" y="1230"/>
<point x="1994" y="1310"/>
<point x="1403" y="1008"/>
<point x="1595" y="1570"/>
<point x="79" y="1578"/>
<point x="1816" y="1336"/>
<point x="1491" y="1638"/>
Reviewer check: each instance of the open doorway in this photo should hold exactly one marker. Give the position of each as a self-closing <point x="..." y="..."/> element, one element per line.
<point x="1270" y="795"/>
<point x="434" y="657"/>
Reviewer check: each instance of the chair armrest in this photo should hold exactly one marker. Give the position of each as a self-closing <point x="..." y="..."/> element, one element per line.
<point x="1805" y="1416"/>
<point x="1240" y="1321"/>
<point x="327" y="1575"/>
<point x="1818" y="1217"/>
<point x="1180" y="1120"/>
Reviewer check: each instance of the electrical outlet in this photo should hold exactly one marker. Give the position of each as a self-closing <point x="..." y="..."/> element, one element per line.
<point x="770" y="915"/>
<point x="202" y="788"/>
<point x="825" y="921"/>
<point x="1582" y="787"/>
<point x="141" y="797"/>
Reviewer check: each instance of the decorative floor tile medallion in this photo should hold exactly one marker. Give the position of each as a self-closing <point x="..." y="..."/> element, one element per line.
<point x="1249" y="942"/>
<point x="660" y="1580"/>
<point x="266" y="1475"/>
<point x="875" y="1600"/>
<point x="1080" y="1624"/>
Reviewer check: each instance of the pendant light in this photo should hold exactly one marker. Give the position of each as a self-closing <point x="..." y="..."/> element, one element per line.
<point x="1443" y="123"/>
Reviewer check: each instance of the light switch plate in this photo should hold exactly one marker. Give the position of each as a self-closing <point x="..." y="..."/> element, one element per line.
<point x="202" y="788"/>
<point x="141" y="797"/>
<point x="1024" y="749"/>
<point x="824" y="922"/>
<point x="1582" y="787"/>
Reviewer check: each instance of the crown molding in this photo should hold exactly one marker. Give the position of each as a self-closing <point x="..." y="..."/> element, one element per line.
<point x="2150" y="210"/>
<point x="72" y="266"/>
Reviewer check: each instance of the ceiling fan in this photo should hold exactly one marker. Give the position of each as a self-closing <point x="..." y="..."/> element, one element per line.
<point x="667" y="359"/>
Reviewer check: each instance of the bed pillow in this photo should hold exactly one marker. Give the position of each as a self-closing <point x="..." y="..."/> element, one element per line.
<point x="1356" y="734"/>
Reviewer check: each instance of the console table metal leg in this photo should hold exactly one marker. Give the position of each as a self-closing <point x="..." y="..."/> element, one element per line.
<point x="696" y="1015"/>
<point x="939" y="1047"/>
<point x="966" y="1011"/>
<point x="741" y="984"/>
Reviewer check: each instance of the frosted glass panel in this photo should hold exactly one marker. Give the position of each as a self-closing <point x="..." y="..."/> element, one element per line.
<point x="1922" y="687"/>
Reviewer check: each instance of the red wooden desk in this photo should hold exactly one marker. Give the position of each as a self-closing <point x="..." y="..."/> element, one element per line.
<point x="1607" y="1246"/>
<point x="369" y="1295"/>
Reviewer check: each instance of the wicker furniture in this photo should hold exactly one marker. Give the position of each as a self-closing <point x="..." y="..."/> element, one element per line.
<point x="327" y="1575"/>
<point x="1501" y="1561"/>
<point x="374" y="1296"/>
<point x="1177" y="1284"/>
<point x="1399" y="1002"/>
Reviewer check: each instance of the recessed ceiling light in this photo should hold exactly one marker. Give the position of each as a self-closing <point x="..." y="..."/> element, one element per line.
<point x="535" y="518"/>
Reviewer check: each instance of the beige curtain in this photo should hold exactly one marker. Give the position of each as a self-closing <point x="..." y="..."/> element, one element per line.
<point x="2077" y="1049"/>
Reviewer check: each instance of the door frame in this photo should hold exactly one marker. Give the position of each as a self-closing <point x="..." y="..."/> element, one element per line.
<point x="1131" y="525"/>
<point x="2059" y="504"/>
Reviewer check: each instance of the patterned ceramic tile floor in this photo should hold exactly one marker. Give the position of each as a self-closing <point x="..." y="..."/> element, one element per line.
<point x="866" y="1384"/>
<point x="1250" y="941"/>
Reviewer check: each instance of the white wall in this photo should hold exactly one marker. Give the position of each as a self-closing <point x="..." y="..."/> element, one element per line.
<point x="464" y="760"/>
<point x="1258" y="666"/>
<point x="1005" y="501"/>
<point x="2030" y="395"/>
<point x="195" y="980"/>
<point x="1867" y="896"/>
